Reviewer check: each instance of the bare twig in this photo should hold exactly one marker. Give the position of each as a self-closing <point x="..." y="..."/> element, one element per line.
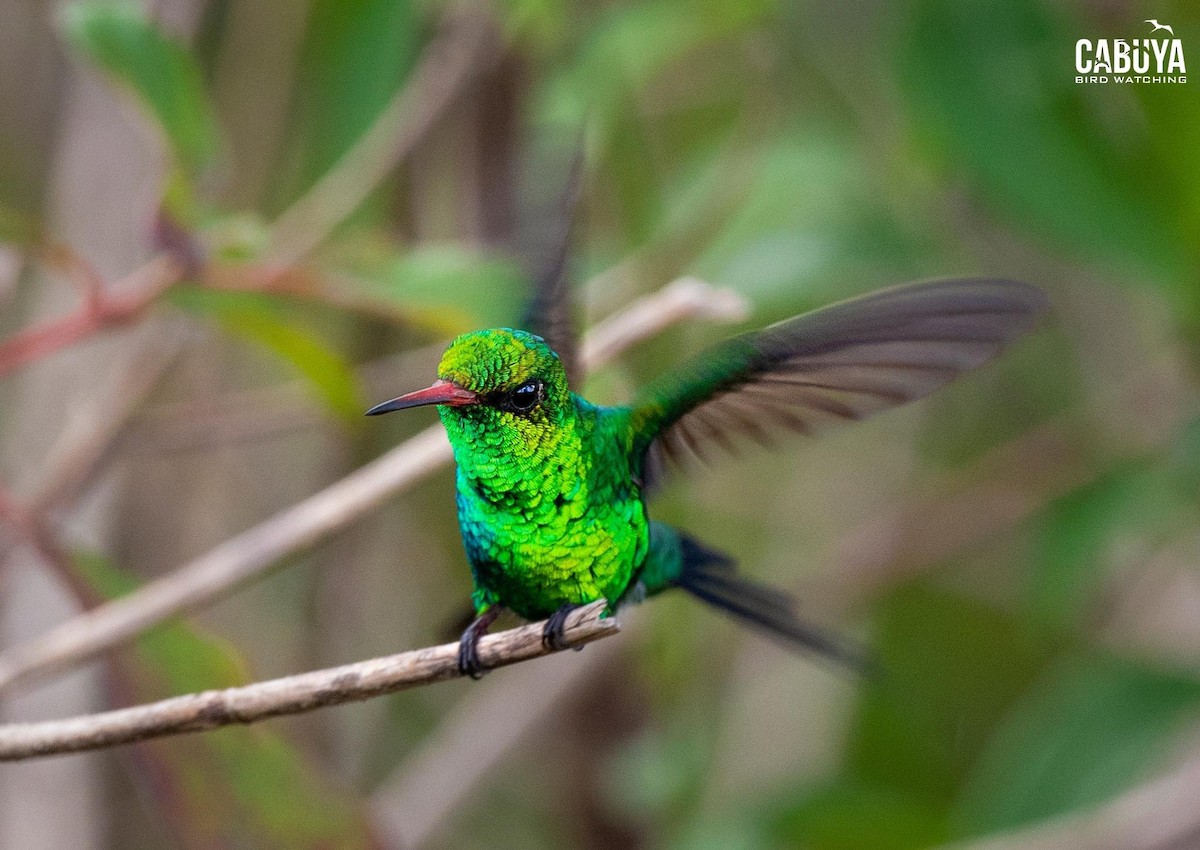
<point x="449" y="64"/>
<point x="102" y="309"/>
<point x="233" y="562"/>
<point x="33" y="532"/>
<point x="82" y="273"/>
<point x="999" y="491"/>
<point x="251" y="553"/>
<point x="283" y="409"/>
<point x="96" y="424"/>
<point x="471" y="741"/>
<point x="291" y="694"/>
<point x="681" y="299"/>
<point x="259" y="413"/>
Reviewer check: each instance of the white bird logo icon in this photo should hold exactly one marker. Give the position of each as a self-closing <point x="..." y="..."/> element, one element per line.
<point x="1158" y="26"/>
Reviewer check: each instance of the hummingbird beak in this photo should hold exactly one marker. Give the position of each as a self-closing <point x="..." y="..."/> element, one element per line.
<point x="442" y="392"/>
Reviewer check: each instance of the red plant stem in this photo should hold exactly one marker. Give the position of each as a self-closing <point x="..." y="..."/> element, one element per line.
<point x="30" y="528"/>
<point x="100" y="310"/>
<point x="14" y="514"/>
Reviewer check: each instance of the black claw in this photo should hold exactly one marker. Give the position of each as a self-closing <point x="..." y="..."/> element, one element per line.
<point x="468" y="655"/>
<point x="469" y="663"/>
<point x="554" y="634"/>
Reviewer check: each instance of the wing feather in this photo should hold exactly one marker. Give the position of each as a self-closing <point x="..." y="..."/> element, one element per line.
<point x="842" y="363"/>
<point x="550" y="311"/>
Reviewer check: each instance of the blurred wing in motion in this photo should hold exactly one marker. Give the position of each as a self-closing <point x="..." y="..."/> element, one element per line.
<point x="840" y="363"/>
<point x="549" y="313"/>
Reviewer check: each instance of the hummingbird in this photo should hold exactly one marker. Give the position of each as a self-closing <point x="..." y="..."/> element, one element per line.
<point x="552" y="489"/>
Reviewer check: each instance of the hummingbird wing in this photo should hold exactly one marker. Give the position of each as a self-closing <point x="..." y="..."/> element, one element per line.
<point x="549" y="313"/>
<point x="840" y="363"/>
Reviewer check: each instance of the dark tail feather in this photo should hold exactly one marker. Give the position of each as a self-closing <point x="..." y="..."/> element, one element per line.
<point x="710" y="577"/>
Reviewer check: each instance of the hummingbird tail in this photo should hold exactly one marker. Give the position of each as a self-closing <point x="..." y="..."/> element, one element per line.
<point x="710" y="577"/>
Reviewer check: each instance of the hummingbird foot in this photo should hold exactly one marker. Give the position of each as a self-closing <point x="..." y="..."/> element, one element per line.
<point x="554" y="634"/>
<point x="469" y="663"/>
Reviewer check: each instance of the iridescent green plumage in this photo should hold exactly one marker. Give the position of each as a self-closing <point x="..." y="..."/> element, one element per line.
<point x="547" y="501"/>
<point x="550" y="487"/>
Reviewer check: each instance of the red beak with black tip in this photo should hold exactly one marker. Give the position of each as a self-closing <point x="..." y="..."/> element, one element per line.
<point x="442" y="392"/>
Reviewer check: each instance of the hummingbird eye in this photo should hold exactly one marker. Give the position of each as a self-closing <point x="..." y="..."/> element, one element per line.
<point x="525" y="397"/>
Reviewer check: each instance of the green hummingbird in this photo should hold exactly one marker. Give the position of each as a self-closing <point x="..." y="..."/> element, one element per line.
<point x="551" y="488"/>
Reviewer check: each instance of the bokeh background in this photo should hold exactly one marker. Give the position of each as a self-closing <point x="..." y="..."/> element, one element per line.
<point x="1020" y="550"/>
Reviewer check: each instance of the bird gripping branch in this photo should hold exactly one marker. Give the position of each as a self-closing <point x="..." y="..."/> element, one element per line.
<point x="551" y="488"/>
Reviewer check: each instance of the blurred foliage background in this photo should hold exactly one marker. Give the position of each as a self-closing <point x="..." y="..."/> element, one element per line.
<point x="1020" y="550"/>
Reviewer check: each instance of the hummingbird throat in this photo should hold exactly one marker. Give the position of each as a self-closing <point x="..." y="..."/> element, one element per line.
<point x="522" y="463"/>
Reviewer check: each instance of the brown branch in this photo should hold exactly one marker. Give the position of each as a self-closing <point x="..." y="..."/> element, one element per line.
<point x="260" y="413"/>
<point x="103" y="308"/>
<point x="473" y="739"/>
<point x="13" y="513"/>
<point x="952" y="514"/>
<point x="291" y="694"/>
<point x="33" y="532"/>
<point x="681" y="299"/>
<point x="97" y="424"/>
<point x="248" y="555"/>
<point x="81" y="272"/>
<point x="448" y="65"/>
<point x="247" y="415"/>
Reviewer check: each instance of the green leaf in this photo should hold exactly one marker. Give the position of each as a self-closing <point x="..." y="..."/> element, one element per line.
<point x="447" y="288"/>
<point x="18" y="227"/>
<point x="1091" y="728"/>
<point x="234" y="787"/>
<point x="356" y="56"/>
<point x="632" y="44"/>
<point x="266" y="320"/>
<point x="1077" y="531"/>
<point x="951" y="667"/>
<point x="122" y="41"/>
<point x="655" y="774"/>
<point x="991" y="86"/>
<point x="626" y="55"/>
<point x="846" y="816"/>
<point x="536" y="24"/>
<point x="811" y="220"/>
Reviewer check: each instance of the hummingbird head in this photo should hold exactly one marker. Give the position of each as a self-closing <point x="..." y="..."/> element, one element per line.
<point x="507" y="383"/>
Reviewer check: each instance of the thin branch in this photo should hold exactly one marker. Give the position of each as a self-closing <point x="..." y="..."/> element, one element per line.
<point x="449" y="64"/>
<point x="283" y="409"/>
<point x="259" y="413"/>
<point x="477" y="735"/>
<point x="233" y="562"/>
<point x="81" y="450"/>
<point x="291" y="694"/>
<point x="251" y="553"/>
<point x="102" y="309"/>
<point x="33" y="532"/>
<point x="997" y="492"/>
<point x="97" y="424"/>
<point x="82" y="273"/>
<point x="684" y="298"/>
